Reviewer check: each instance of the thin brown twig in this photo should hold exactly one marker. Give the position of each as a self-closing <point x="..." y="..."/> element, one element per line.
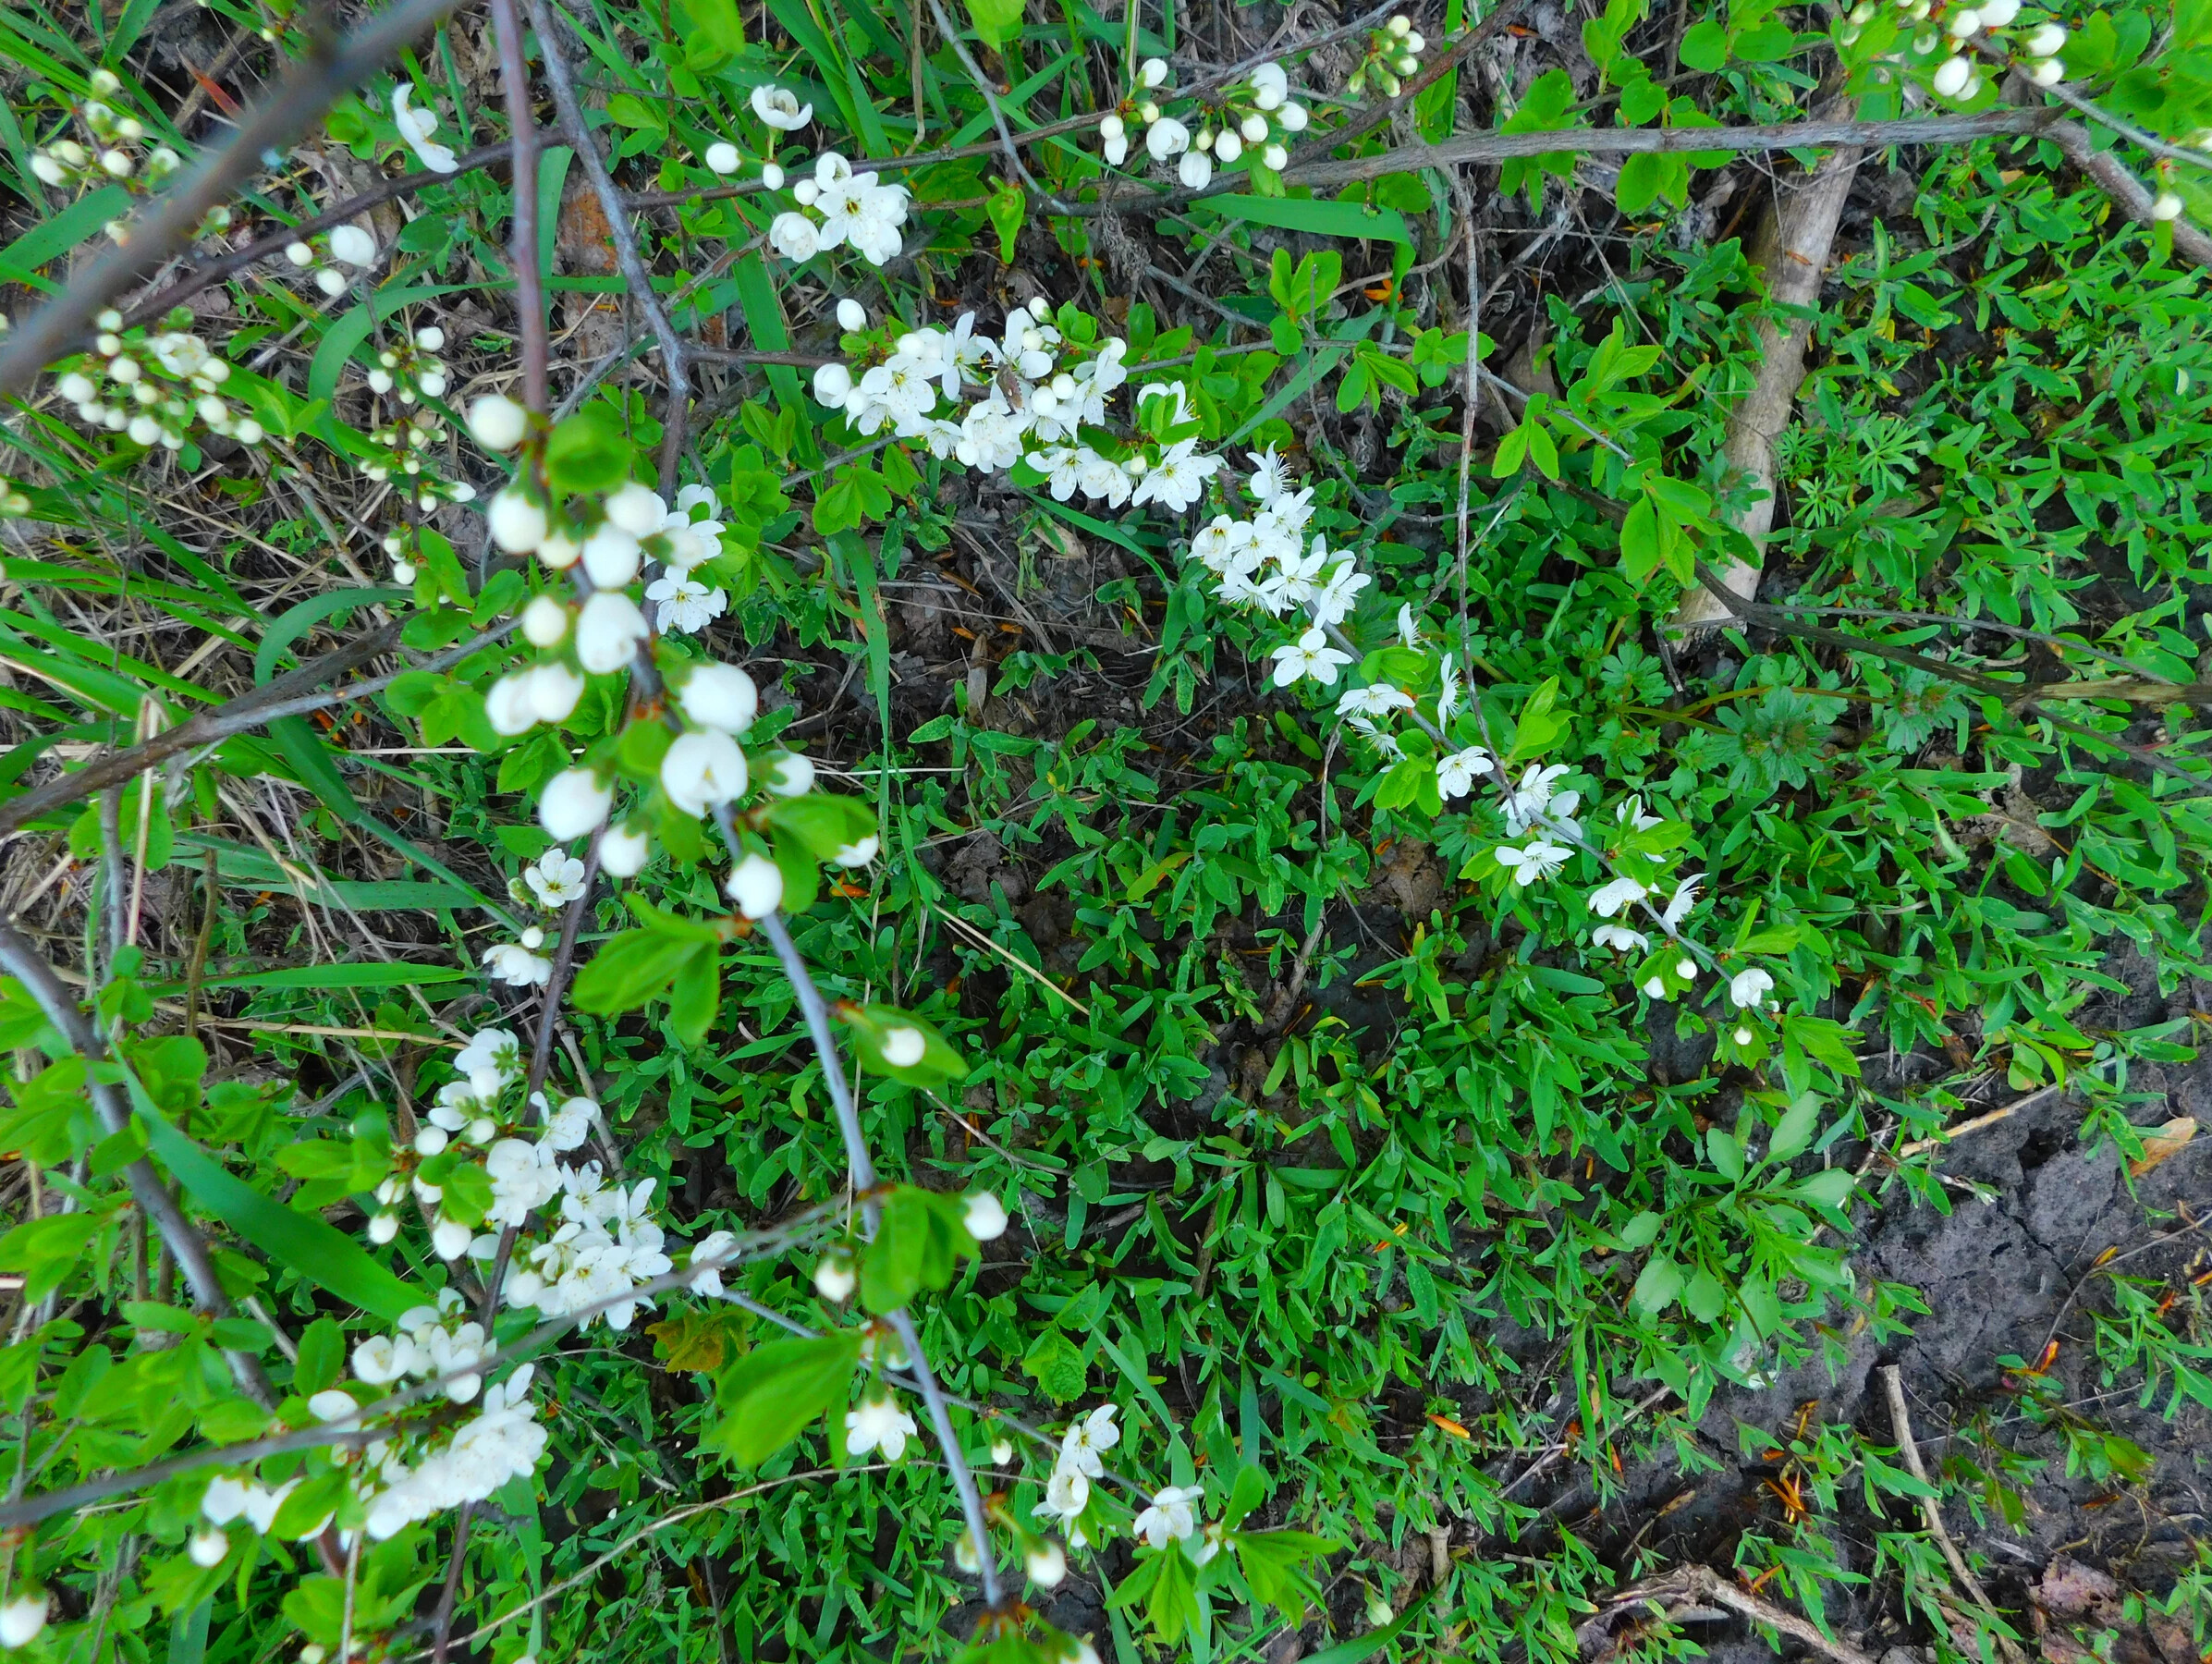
<point x="1901" y="1423"/>
<point x="524" y="252"/>
<point x="28" y="966"/>
<point x="330" y="67"/>
<point x="288" y="695"/>
<point x="675" y="419"/>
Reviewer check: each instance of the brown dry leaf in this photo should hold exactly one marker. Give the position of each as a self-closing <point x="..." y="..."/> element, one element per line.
<point x="2071" y="1589"/>
<point x="2163" y="1144"/>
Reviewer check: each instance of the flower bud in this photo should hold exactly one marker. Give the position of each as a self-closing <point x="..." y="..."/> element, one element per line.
<point x="607" y="633"/>
<point x="497" y="423"/>
<point x="1963" y="24"/>
<point x="22" y="1618"/>
<point x="544" y="621"/>
<point x="834" y="1279"/>
<point x="517" y="523"/>
<point x="2046" y="42"/>
<point x="1229" y="147"/>
<point x="574" y="803"/>
<point x="832" y="383"/>
<point x="1254" y="127"/>
<point x="1113" y="127"/>
<point x="1950" y="77"/>
<point x="789" y="774"/>
<point x="722" y="158"/>
<point x="1153" y="72"/>
<point x="805" y="191"/>
<point x="1046" y="1564"/>
<point x="772" y="176"/>
<point x="383" y="1227"/>
<point x="559" y="551"/>
<point x="756" y="885"/>
<point x="623" y="851"/>
<point x="2166" y="206"/>
<point x="719" y="696"/>
<point x="904" y="1047"/>
<point x="1401" y="25"/>
<point x="1293" y="119"/>
<point x="637" y="509"/>
<point x="852" y="314"/>
<point x="610" y="557"/>
<point x="1274" y="158"/>
<point x="450" y="1238"/>
<point x="985" y="1216"/>
<point x="2048" y="73"/>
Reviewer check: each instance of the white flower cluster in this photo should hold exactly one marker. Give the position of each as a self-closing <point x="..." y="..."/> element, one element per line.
<point x="348" y="246"/>
<point x="780" y="110"/>
<point x="1081" y="1460"/>
<point x="1266" y="563"/>
<point x="1953" y="24"/>
<point x="432" y="1341"/>
<point x="1029" y="385"/>
<point x="153" y="389"/>
<point x="1393" y="52"/>
<point x="119" y="154"/>
<point x="468" y="1111"/>
<point x="503" y="1442"/>
<point x="853" y="208"/>
<point x="1254" y="115"/>
<point x="605" y="1243"/>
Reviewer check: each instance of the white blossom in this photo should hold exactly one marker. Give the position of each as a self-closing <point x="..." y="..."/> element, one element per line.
<point x="780" y="108"/>
<point x="556" y="878"/>
<point x="878" y="1424"/>
<point x="416" y="126"/>
<point x="1539" y="861"/>
<point x="1610" y="899"/>
<point x="1309" y="655"/>
<point x="1456" y="773"/>
<point x="1622" y="937"/>
<point x="1081" y="1444"/>
<point x="512" y="964"/>
<point x="1746" y="988"/>
<point x="702" y="769"/>
<point x="1685" y="898"/>
<point x="1170" y="1517"/>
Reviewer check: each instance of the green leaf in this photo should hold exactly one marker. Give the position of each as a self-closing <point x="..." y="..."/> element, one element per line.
<point x="321" y="1357"/>
<point x="773" y="1390"/>
<point x="1724" y="1152"/>
<point x="1315" y="218"/>
<point x="1058" y="1365"/>
<point x="1657" y="1284"/>
<point x="1796" y="1129"/>
<point x="1704" y="1298"/>
<point x="823" y="822"/>
<point x="996" y="21"/>
<point x="1008" y="207"/>
<point x="1641" y="177"/>
<point x="1705" y="46"/>
<point x="300" y="1242"/>
<point x="587" y="452"/>
<point x="718" y="31"/>
<point x="631" y="969"/>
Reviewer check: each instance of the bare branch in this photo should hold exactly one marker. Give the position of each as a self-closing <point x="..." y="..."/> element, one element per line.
<point x="331" y="67"/>
<point x="286" y="695"/>
<point x="25" y="963"/>
<point x="635" y="270"/>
